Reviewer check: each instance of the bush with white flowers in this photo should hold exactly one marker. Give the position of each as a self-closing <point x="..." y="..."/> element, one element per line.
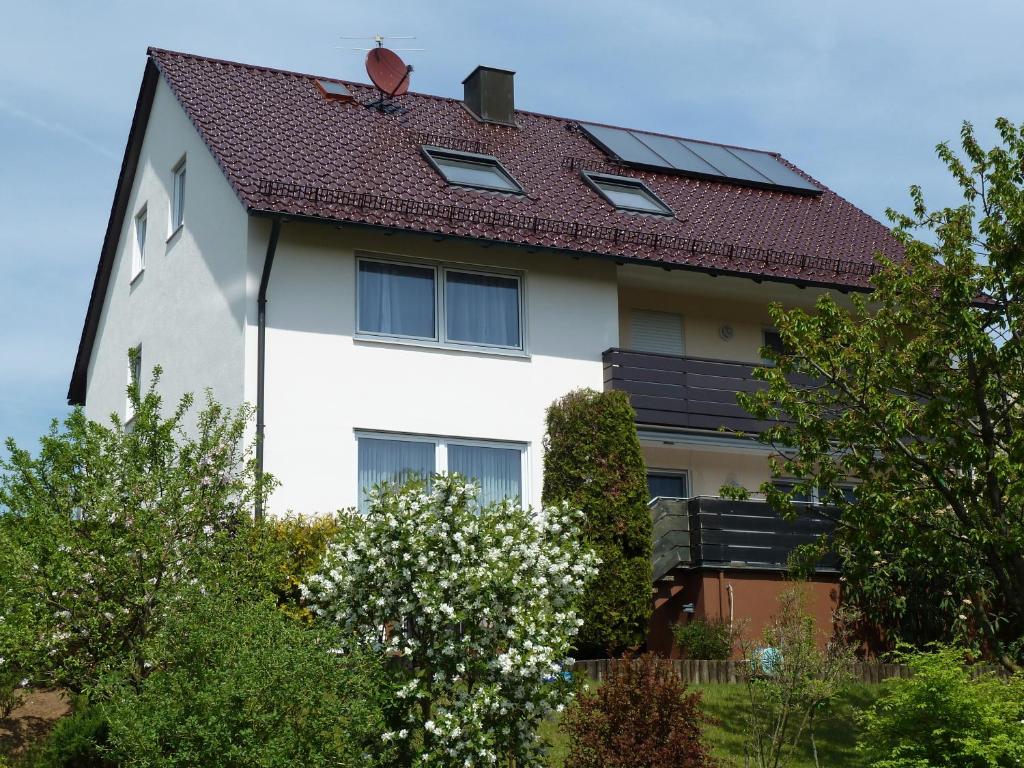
<point x="474" y="606"/>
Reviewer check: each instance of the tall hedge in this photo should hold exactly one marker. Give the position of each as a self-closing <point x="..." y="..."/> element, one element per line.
<point x="593" y="460"/>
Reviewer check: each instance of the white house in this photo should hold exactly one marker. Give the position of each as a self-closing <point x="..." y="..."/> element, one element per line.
<point x="408" y="287"/>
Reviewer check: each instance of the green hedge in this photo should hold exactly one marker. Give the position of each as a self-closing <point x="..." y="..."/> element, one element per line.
<point x="593" y="460"/>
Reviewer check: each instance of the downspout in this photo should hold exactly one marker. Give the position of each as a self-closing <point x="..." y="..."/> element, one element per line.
<point x="261" y="358"/>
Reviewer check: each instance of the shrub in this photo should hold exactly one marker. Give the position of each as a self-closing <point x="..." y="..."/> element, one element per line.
<point x="242" y="684"/>
<point x="945" y="715"/>
<point x="76" y="741"/>
<point x="475" y="606"/>
<point x="705" y="638"/>
<point x="593" y="461"/>
<point x="293" y="547"/>
<point x="642" y="716"/>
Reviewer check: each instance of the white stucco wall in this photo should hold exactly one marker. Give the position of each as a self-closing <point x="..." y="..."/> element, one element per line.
<point x="322" y="384"/>
<point x="187" y="308"/>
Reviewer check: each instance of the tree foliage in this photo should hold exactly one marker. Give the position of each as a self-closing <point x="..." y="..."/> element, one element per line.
<point x="475" y="607"/>
<point x="916" y="393"/>
<point x="110" y="529"/>
<point x="593" y="461"/>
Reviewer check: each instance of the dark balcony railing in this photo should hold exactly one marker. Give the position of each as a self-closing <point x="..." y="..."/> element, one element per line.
<point x="668" y="390"/>
<point x="716" y="532"/>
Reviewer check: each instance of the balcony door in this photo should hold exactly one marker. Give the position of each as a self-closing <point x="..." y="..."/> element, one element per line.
<point x="660" y="332"/>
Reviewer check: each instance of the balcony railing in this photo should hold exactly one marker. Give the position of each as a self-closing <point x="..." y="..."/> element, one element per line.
<point x="668" y="390"/>
<point x="722" y="533"/>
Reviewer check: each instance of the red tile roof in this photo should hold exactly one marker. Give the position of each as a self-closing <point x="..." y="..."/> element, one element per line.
<point x="288" y="150"/>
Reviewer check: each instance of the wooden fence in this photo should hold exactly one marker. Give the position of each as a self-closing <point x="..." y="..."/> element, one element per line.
<point x="698" y="671"/>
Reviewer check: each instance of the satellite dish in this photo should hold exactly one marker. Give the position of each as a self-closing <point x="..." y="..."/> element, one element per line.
<point x="388" y="72"/>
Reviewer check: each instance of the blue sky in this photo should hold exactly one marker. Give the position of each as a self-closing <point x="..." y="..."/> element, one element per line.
<point x="857" y="94"/>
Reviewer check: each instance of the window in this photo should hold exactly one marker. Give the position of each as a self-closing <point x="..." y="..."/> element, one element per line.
<point x="468" y="169"/>
<point x="178" y="197"/>
<point x="406" y="300"/>
<point x="482" y="309"/>
<point x="134" y="381"/>
<point x="497" y="467"/>
<point x="660" y="332"/>
<point x="667" y="485"/>
<point x="627" y="194"/>
<point x="787" y="486"/>
<point x="773" y="340"/>
<point x="397" y="299"/>
<point x="139" y="245"/>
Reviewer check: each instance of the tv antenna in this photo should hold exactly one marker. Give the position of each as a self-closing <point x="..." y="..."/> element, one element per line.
<point x="378" y="40"/>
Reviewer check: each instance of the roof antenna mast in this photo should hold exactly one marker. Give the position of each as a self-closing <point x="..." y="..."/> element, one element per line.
<point x="387" y="72"/>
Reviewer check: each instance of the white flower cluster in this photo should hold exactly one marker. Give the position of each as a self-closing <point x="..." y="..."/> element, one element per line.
<point x="475" y="608"/>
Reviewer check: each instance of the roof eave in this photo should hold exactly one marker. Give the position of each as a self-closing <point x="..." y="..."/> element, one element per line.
<point x="757" y="277"/>
<point x="125" y="182"/>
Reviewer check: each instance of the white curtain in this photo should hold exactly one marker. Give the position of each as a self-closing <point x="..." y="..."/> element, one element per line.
<point x="397" y="299"/>
<point x="482" y="309"/>
<point x="393" y="461"/>
<point x="498" y="470"/>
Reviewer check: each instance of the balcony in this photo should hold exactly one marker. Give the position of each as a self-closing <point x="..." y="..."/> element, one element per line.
<point x="706" y="531"/>
<point x="693" y="392"/>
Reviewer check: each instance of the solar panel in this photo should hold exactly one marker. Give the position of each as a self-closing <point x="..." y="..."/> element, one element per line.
<point x="625" y="146"/>
<point x="774" y="170"/>
<point x="678" y="155"/>
<point x="726" y="162"/>
<point x="697" y="158"/>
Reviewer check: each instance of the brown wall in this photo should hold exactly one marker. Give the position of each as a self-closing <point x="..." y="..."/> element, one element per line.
<point x="755" y="601"/>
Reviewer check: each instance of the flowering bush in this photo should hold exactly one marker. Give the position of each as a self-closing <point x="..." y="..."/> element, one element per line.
<point x="474" y="606"/>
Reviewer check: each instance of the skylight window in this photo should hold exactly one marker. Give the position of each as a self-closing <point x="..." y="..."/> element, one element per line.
<point x="627" y="194"/>
<point x="468" y="169"/>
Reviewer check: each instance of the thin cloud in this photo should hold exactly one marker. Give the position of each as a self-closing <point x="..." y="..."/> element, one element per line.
<point x="54" y="127"/>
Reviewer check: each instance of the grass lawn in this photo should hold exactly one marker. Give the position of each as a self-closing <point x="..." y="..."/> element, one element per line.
<point x="835" y="733"/>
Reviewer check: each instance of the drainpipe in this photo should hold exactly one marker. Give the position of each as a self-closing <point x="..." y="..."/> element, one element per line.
<point x="261" y="356"/>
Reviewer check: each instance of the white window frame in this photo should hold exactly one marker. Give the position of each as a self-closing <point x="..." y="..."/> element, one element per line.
<point x="179" y="188"/>
<point x="440" y="338"/>
<point x="441" y="444"/>
<point x="139" y="248"/>
<point x="672" y="471"/>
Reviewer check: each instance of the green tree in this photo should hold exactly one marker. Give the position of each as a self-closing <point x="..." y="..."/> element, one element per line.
<point x="593" y="461"/>
<point x="110" y="529"/>
<point x="915" y="391"/>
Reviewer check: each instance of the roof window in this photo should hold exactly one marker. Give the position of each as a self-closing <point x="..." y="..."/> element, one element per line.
<point x="627" y="194"/>
<point x="334" y="90"/>
<point x="468" y="169"/>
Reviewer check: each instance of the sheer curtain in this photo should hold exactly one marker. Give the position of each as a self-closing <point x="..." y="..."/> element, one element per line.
<point x="395" y="461"/>
<point x="482" y="309"/>
<point x="498" y="470"/>
<point x="396" y="298"/>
